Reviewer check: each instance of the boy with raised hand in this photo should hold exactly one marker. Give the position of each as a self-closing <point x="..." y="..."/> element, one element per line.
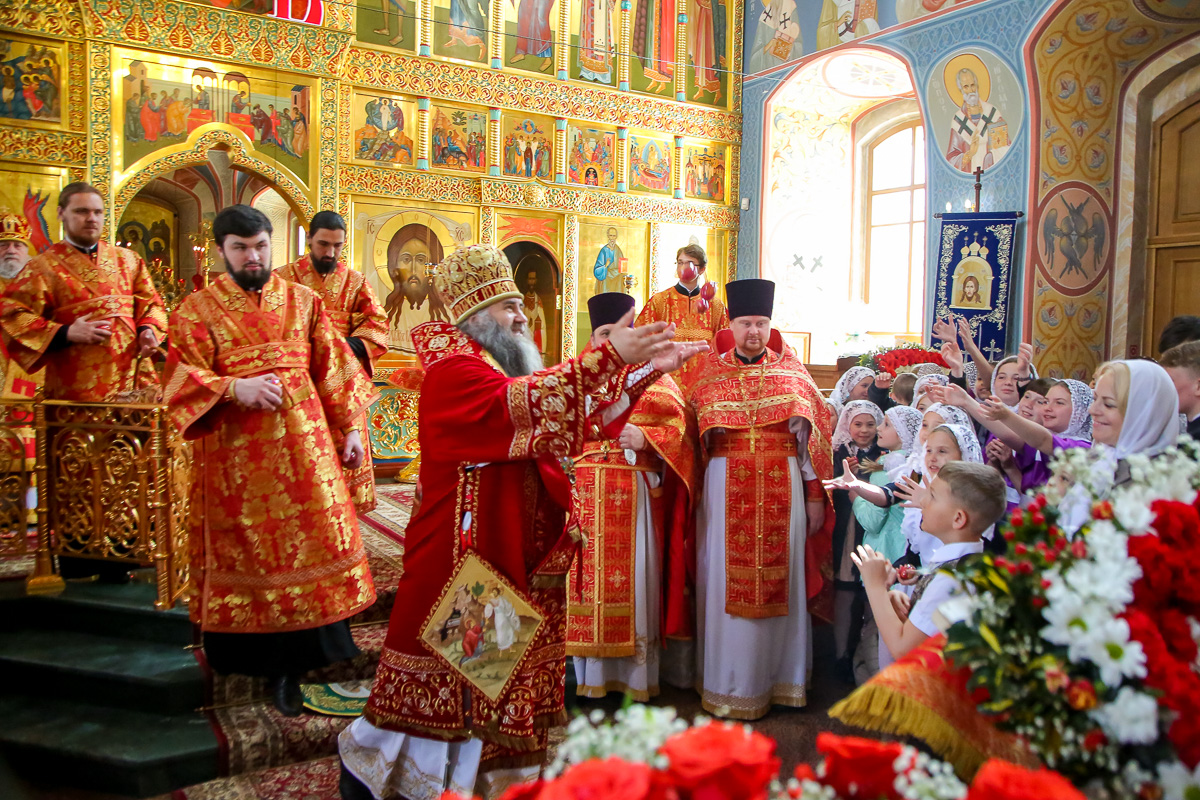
<point x="962" y="502"/>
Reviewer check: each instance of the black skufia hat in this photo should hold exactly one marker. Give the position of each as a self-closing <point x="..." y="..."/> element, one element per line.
<point x="608" y="308"/>
<point x="751" y="297"/>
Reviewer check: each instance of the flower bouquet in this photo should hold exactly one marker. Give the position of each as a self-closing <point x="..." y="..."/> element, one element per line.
<point x="649" y="754"/>
<point x="902" y="358"/>
<point x="1085" y="646"/>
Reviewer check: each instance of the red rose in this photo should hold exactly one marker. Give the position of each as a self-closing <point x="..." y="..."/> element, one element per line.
<point x="1176" y="523"/>
<point x="718" y="760"/>
<point x="1185" y="735"/>
<point x="611" y="779"/>
<point x="1143" y="630"/>
<point x="1177" y="634"/>
<point x="524" y="791"/>
<point x="1158" y="573"/>
<point x="857" y="767"/>
<point x="1000" y="780"/>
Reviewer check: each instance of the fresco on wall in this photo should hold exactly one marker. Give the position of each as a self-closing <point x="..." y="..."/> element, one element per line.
<point x="591" y="157"/>
<point x="595" y="52"/>
<point x="387" y="22"/>
<point x="652" y="61"/>
<point x="613" y="257"/>
<point x="396" y="248"/>
<point x="31" y="75"/>
<point x="384" y="129"/>
<point x="708" y="53"/>
<point x="529" y="34"/>
<point x="975" y="109"/>
<point x="776" y="34"/>
<point x="159" y="105"/>
<point x="845" y="20"/>
<point x="527" y="150"/>
<point x="148" y="229"/>
<point x="650" y="164"/>
<point x="458" y="139"/>
<point x="1074" y="238"/>
<point x="33" y="193"/>
<point x="704" y="167"/>
<point x="460" y="29"/>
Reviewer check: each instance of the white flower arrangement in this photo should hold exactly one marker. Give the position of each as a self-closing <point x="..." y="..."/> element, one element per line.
<point x="635" y="735"/>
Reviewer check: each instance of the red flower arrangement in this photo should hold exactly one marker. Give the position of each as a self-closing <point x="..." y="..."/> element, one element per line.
<point x="1000" y="780"/>
<point x="893" y="360"/>
<point x="716" y="761"/>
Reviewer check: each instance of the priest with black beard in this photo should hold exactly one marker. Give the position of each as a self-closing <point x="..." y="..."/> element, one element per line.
<point x="355" y="314"/>
<point x="495" y="429"/>
<point x="267" y="387"/>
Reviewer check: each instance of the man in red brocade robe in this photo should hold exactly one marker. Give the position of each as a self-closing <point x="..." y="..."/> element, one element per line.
<point x="764" y="520"/>
<point x="679" y="306"/>
<point x="84" y="310"/>
<point x="260" y="376"/>
<point x="355" y="314"/>
<point x="494" y="429"/>
<point x="634" y="492"/>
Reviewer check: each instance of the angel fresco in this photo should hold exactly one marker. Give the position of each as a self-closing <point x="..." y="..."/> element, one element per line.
<point x="1074" y="236"/>
<point x="30" y="84"/>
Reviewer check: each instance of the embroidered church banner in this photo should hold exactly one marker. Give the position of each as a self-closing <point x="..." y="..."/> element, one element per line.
<point x="973" y="275"/>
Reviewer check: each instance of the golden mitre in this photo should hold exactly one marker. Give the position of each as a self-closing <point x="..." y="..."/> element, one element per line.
<point x="472" y="278"/>
<point x="14" y="228"/>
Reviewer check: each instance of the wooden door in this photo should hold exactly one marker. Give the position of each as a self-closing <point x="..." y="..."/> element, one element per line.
<point x="1173" y="261"/>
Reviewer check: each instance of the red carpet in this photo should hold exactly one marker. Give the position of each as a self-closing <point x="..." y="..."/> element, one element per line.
<point x="312" y="780"/>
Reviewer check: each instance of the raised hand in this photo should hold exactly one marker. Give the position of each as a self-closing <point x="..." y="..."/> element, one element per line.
<point x="844" y="481"/>
<point x="964" y="330"/>
<point x="944" y="329"/>
<point x="872" y="565"/>
<point x="953" y="357"/>
<point x="912" y="493"/>
<point x="994" y="410"/>
<point x="883" y="380"/>
<point x="677" y="354"/>
<point x="638" y="345"/>
<point x="1024" y="359"/>
<point x="950" y="395"/>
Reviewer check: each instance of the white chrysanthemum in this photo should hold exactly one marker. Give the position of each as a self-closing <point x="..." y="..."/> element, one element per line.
<point x="1072" y="619"/>
<point x="635" y="734"/>
<point x="1130" y="719"/>
<point x="1133" y="512"/>
<point x="1105" y="580"/>
<point x="1114" y="653"/>
<point x="1178" y="782"/>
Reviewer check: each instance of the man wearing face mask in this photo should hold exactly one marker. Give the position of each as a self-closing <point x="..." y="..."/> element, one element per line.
<point x="84" y="309"/>
<point x="265" y="382"/>
<point x="764" y="522"/>
<point x="355" y="314"/>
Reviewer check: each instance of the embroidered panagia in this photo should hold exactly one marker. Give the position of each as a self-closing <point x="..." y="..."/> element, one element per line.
<point x="492" y="481"/>
<point x="60" y="286"/>
<point x="274" y="536"/>
<point x="353" y="311"/>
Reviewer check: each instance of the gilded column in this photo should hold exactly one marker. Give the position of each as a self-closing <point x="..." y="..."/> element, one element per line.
<point x="731" y="265"/>
<point x="423" y="133"/>
<point x="622" y="159"/>
<point x="487" y="225"/>
<point x="562" y="44"/>
<point x="681" y="48"/>
<point x="677" y="165"/>
<point x="496" y="33"/>
<point x="493" y="149"/>
<point x="424" y="28"/>
<point x="100" y="127"/>
<point x="327" y="173"/>
<point x="560" y="151"/>
<point x="655" y="268"/>
<point x="625" y="37"/>
<point x="570" y="290"/>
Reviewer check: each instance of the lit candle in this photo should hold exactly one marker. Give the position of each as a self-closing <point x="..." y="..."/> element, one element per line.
<point x="967" y="203"/>
<point x="949" y="206"/>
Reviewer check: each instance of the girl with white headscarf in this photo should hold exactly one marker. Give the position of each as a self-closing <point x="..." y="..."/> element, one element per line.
<point x="881" y="526"/>
<point x="1007" y="379"/>
<point x="854" y="442"/>
<point x="904" y="422"/>
<point x="855" y="384"/>
<point x="921" y="387"/>
<point x="1135" y="412"/>
<point x="945" y="443"/>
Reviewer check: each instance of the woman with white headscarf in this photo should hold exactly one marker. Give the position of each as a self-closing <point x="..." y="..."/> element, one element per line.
<point x="855" y="384"/>
<point x="1135" y="412"/>
<point x="854" y="443"/>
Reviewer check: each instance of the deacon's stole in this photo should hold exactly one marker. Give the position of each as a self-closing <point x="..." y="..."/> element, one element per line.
<point x="274" y="539"/>
<point x="491" y="481"/>
<point x="691" y="325"/>
<point x="601" y="593"/>
<point x="748" y="408"/>
<point x="353" y="310"/>
<point x="60" y="286"/>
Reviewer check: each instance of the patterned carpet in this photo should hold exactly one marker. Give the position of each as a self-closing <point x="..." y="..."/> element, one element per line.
<point x="312" y="780"/>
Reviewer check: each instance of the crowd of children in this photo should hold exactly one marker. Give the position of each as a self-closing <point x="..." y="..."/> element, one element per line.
<point x="928" y="464"/>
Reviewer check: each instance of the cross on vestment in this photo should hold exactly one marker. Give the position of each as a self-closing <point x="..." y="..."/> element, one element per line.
<point x="988" y="119"/>
<point x="785" y="21"/>
<point x="767" y="15"/>
<point x="964" y="123"/>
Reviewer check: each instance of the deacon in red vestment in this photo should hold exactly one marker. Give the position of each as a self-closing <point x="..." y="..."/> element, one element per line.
<point x="260" y="376"/>
<point x="764" y="522"/>
<point x="84" y="310"/>
<point x="634" y="493"/>
<point x="495" y="429"/>
<point x="355" y="314"/>
<point x="681" y="306"/>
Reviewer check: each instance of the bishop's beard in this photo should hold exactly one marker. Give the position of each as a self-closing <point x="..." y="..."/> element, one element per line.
<point x="515" y="352"/>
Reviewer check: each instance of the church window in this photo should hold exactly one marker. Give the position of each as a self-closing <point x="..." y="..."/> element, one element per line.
<point x="894" y="228"/>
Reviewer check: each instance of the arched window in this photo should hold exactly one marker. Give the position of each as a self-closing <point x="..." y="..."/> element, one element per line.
<point x="894" y="230"/>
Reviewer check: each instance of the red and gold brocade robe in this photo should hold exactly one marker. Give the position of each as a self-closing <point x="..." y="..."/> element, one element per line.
<point x="748" y="408"/>
<point x="491" y="446"/>
<point x="353" y="310"/>
<point x="20" y="385"/>
<point x="274" y="537"/>
<point x="60" y="286"/>
<point x="601" y="591"/>
<point x="690" y="326"/>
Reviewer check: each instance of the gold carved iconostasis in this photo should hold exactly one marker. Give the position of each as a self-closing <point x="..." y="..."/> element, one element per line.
<point x="590" y="139"/>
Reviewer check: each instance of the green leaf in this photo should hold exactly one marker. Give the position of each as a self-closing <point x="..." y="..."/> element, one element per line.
<point x="990" y="638"/>
<point x="997" y="581"/>
<point x="477" y="589"/>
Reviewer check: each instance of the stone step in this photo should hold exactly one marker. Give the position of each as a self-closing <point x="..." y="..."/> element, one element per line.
<point x="105" y="749"/>
<point x="124" y="611"/>
<point x="102" y="670"/>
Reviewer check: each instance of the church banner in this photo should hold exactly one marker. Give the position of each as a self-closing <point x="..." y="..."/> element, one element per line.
<point x="974" y="267"/>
